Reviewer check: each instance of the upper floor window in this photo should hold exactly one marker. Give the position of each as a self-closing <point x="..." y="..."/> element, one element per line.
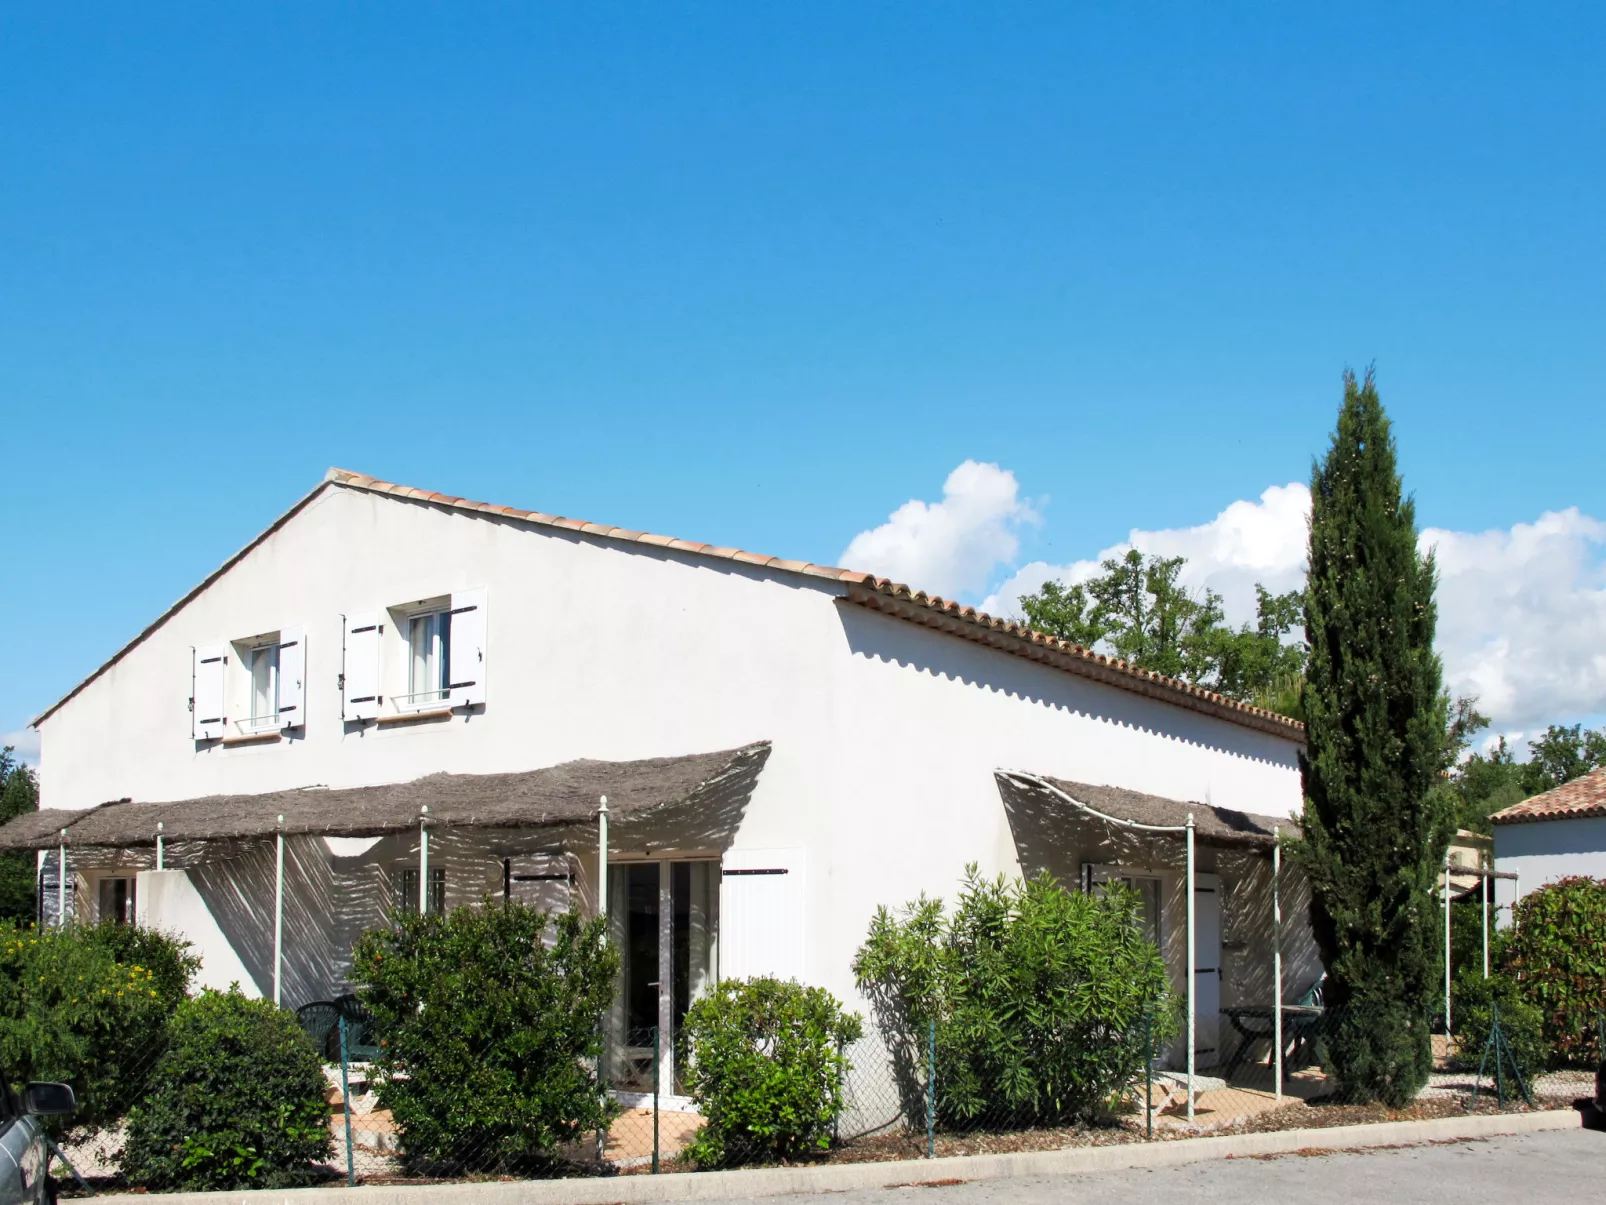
<point x="427" y="655"/>
<point x="249" y="687"/>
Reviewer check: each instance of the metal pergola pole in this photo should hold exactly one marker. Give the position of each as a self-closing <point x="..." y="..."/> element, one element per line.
<point x="1486" y="923"/>
<point x="61" y="881"/>
<point x="423" y="861"/>
<point x="1277" y="961"/>
<point x="1447" y="945"/>
<point x="1192" y="969"/>
<point x="602" y="858"/>
<point x="278" y="914"/>
<point x="159" y="861"/>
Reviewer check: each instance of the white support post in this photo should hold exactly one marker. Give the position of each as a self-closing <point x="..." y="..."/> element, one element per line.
<point x="1486" y="871"/>
<point x="278" y="916"/>
<point x="159" y="862"/>
<point x="423" y="861"/>
<point x="1447" y="946"/>
<point x="602" y="860"/>
<point x="1192" y="969"/>
<point x="1277" y="960"/>
<point x="61" y="881"/>
<point x="666" y="980"/>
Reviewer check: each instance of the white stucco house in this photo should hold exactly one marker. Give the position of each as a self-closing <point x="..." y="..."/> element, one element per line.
<point x="1552" y="836"/>
<point x="784" y="747"/>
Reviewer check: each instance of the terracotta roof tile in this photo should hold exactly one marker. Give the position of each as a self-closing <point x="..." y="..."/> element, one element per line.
<point x="1584" y="796"/>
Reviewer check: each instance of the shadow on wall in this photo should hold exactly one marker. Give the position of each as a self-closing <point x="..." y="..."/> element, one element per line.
<point x="899" y="642"/>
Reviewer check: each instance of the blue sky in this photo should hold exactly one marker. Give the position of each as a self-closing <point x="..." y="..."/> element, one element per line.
<point x="762" y="275"/>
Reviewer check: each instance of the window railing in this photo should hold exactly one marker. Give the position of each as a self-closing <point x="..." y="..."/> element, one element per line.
<point x="421" y="700"/>
<point x="257" y="723"/>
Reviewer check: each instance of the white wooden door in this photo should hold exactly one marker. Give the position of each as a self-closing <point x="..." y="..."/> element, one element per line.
<point x="1207" y="968"/>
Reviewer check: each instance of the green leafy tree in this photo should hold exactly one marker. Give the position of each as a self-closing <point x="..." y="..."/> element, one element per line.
<point x="489" y="1027"/>
<point x="1561" y="755"/>
<point x="236" y="1102"/>
<point x="1040" y="998"/>
<point x="1375" y="830"/>
<point x="1137" y="609"/>
<point x="19" y="793"/>
<point x="767" y="1069"/>
<point x="1065" y="613"/>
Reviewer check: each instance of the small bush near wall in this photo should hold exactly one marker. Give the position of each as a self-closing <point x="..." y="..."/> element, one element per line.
<point x="1558" y="954"/>
<point x="1040" y="998"/>
<point x="237" y="1101"/>
<point x="767" y="1070"/>
<point x="1521" y="1023"/>
<point x="89" y="1005"/>
<point x="489" y="1034"/>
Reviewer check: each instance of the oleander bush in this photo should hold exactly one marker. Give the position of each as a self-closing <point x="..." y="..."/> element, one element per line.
<point x="1043" y="1001"/>
<point x="766" y="1068"/>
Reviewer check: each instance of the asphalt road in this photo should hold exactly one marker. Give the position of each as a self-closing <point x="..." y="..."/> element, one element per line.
<point x="1557" y="1165"/>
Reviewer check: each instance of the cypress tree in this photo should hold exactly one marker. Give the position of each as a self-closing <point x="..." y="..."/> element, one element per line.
<point x="1375" y="831"/>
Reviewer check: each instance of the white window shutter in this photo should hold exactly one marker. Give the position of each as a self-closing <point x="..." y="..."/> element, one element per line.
<point x="761" y="904"/>
<point x="359" y="674"/>
<point x="207" y="721"/>
<point x="292" y="677"/>
<point x="466" y="673"/>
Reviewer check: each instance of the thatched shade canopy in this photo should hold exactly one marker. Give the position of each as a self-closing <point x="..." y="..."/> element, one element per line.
<point x="554" y="797"/>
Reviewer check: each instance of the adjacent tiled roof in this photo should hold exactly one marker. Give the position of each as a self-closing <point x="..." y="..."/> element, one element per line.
<point x="1584" y="796"/>
<point x="864" y="589"/>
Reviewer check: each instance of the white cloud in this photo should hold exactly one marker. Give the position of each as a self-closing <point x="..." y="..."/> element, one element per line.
<point x="950" y="547"/>
<point x="1522" y="618"/>
<point x="1248" y="542"/>
<point x="25" y="741"/>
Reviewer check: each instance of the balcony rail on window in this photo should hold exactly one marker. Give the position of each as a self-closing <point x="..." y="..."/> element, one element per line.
<point x="258" y="723"/>
<point x="421" y="700"/>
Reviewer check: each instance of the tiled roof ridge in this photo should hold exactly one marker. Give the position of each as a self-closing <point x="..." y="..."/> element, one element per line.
<point x="1111" y="667"/>
<point x="1583" y="796"/>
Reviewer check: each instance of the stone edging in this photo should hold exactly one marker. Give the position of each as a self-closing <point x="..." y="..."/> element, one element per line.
<point x="777" y="1181"/>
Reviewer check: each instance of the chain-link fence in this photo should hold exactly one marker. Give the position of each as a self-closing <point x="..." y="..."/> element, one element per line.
<point x="1257" y="1068"/>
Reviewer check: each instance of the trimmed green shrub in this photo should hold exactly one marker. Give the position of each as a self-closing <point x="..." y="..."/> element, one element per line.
<point x="89" y="1006"/>
<point x="1040" y="998"/>
<point x="766" y="1069"/>
<point x="489" y="1027"/>
<point x="1521" y="1024"/>
<point x="1558" y="953"/>
<point x="237" y="1101"/>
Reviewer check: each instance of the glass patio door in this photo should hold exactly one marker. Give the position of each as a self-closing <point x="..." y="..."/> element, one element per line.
<point x="663" y="919"/>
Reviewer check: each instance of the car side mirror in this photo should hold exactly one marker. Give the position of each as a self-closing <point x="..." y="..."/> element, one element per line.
<point x="49" y="1100"/>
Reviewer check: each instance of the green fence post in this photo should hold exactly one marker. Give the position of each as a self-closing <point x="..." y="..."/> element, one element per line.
<point x="1148" y="1076"/>
<point x="931" y="1090"/>
<point x="1499" y="1053"/>
<point x="345" y="1097"/>
<point x="655" y="1100"/>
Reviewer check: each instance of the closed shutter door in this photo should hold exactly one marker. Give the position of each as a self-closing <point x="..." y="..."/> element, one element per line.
<point x="761" y="923"/>
<point x="359" y="694"/>
<point x="207" y="720"/>
<point x="292" y="677"/>
<point x="466" y="672"/>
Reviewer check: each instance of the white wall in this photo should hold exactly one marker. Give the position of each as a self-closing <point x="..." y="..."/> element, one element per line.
<point x="168" y="901"/>
<point x="886" y="734"/>
<point x="1543" y="851"/>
